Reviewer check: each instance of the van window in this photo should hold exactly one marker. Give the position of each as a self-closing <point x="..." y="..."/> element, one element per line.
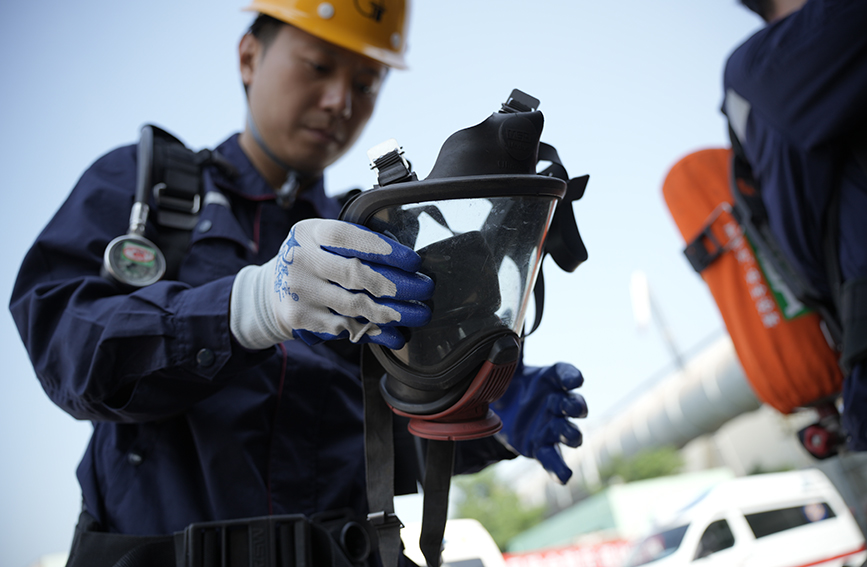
<point x="475" y="562"/>
<point x="656" y="546"/>
<point x="716" y="537"/>
<point x="775" y="521"/>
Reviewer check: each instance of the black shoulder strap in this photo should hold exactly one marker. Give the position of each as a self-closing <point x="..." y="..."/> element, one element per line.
<point x="844" y="316"/>
<point x="750" y="213"/>
<point x="178" y="192"/>
<point x="379" y="461"/>
<point x="852" y="293"/>
<point x="437" y="481"/>
<point x="859" y="147"/>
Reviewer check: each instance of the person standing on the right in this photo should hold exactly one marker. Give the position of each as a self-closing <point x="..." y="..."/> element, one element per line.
<point x="796" y="99"/>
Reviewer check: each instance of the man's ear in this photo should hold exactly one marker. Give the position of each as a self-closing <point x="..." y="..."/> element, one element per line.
<point x="249" y="51"/>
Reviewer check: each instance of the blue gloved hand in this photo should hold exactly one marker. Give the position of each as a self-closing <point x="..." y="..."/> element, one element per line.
<point x="535" y="411"/>
<point x="331" y="280"/>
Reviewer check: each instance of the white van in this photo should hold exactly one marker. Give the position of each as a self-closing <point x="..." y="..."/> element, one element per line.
<point x="466" y="543"/>
<point x="790" y="519"/>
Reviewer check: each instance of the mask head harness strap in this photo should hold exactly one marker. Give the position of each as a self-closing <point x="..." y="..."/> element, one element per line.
<point x="564" y="243"/>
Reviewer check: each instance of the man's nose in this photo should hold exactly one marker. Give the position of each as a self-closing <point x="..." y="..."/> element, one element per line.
<point x="337" y="97"/>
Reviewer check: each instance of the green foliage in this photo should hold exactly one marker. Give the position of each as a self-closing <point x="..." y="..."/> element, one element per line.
<point x="652" y="463"/>
<point x="496" y="506"/>
<point x="758" y="468"/>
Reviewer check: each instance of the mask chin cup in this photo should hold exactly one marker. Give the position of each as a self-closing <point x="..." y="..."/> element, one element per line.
<point x="460" y="411"/>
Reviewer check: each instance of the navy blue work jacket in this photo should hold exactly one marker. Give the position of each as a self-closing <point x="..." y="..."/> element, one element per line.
<point x="188" y="425"/>
<point x="796" y="95"/>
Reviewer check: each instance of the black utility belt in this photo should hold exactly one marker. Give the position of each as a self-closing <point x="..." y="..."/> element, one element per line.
<point x="328" y="540"/>
<point x="278" y="541"/>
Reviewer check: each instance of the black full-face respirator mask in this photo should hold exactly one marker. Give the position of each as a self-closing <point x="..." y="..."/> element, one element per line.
<point x="482" y="223"/>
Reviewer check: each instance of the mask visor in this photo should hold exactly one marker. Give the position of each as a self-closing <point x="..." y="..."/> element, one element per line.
<point x="483" y="255"/>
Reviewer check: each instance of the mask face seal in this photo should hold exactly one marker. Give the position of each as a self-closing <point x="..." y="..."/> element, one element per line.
<point x="479" y="222"/>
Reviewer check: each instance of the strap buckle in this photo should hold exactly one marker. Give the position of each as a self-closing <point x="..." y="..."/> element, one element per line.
<point x="176" y="210"/>
<point x="719" y="233"/>
<point x="384" y="520"/>
<point x="266" y="540"/>
<point x="177" y="202"/>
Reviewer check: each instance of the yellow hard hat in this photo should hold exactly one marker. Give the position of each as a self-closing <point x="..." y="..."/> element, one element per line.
<point x="373" y="28"/>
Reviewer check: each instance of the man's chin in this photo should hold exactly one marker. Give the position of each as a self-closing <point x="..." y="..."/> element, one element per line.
<point x="313" y="163"/>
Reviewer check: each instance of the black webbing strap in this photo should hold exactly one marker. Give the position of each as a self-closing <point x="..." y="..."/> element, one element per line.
<point x="831" y="252"/>
<point x="845" y="317"/>
<point x="548" y="153"/>
<point x="852" y="293"/>
<point x="379" y="461"/>
<point x="177" y="191"/>
<point x="437" y="480"/>
<point x="859" y="148"/>
<point x="853" y="304"/>
<point x="563" y="242"/>
<point x="177" y="194"/>
<point x="751" y="215"/>
<point x="176" y="174"/>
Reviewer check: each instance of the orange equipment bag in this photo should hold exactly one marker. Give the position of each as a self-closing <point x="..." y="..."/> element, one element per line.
<point x="780" y="343"/>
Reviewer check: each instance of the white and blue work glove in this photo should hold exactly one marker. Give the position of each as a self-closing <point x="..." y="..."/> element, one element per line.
<point x="535" y="411"/>
<point x="331" y="280"/>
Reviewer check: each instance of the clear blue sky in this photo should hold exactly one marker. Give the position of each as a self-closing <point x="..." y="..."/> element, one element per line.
<point x="626" y="87"/>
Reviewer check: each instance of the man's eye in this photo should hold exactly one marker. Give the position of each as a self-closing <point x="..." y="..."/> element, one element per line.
<point x="367" y="89"/>
<point x="318" y="67"/>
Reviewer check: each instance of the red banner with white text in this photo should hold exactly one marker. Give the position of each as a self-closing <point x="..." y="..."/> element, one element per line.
<point x="604" y="554"/>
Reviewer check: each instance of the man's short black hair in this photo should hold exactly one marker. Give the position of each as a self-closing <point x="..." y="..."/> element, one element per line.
<point x="760" y="7"/>
<point x="265" y="28"/>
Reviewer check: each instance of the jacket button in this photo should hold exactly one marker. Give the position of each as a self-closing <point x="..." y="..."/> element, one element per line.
<point x="205" y="357"/>
<point x="134" y="459"/>
<point x="205" y="225"/>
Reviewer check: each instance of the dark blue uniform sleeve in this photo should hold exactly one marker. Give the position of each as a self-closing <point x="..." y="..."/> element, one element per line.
<point x="105" y="354"/>
<point x="799" y="73"/>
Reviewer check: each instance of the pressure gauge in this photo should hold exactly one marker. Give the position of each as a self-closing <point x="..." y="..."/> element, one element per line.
<point x="134" y="260"/>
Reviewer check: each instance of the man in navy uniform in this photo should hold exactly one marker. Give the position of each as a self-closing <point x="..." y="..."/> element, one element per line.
<point x="231" y="389"/>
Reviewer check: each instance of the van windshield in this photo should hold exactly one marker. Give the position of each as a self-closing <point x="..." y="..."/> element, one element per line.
<point x="656" y="546"/>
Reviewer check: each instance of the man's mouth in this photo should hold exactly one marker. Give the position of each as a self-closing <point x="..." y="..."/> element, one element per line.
<point x="326" y="133"/>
